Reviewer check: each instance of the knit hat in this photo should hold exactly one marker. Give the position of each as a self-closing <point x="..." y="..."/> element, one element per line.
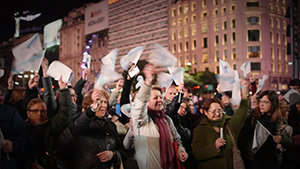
<point x="294" y="98"/>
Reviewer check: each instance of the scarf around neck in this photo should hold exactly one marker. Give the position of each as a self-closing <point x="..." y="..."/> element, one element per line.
<point x="167" y="154"/>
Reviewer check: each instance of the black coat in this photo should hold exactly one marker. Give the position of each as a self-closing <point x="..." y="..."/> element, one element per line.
<point x="95" y="135"/>
<point x="12" y="127"/>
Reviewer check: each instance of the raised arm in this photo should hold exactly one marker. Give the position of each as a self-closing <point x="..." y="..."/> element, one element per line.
<point x="139" y="109"/>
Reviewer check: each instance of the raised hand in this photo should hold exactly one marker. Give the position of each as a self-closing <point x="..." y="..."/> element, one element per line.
<point x="61" y="84"/>
<point x="33" y="82"/>
<point x="85" y="73"/>
<point x="44" y="65"/>
<point x="149" y="74"/>
<point x="119" y="85"/>
<point x="10" y="83"/>
<point x="245" y="88"/>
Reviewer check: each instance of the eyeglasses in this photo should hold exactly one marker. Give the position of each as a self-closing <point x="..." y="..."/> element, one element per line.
<point x="35" y="111"/>
<point x="216" y="111"/>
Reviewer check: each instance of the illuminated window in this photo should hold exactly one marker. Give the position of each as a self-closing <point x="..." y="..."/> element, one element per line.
<point x="279" y="68"/>
<point x="173" y="22"/>
<point x="186" y="33"/>
<point x="216" y="12"/>
<point x="193" y="18"/>
<point x="278" y="54"/>
<point x="216" y="2"/>
<point x="233" y="53"/>
<point x="224" y="39"/>
<point x="271" y="37"/>
<point x="205" y="57"/>
<point x="179" y="10"/>
<point x="224" y="25"/>
<point x="174" y="12"/>
<point x="217" y="57"/>
<point x="193" y="6"/>
<point x="217" y="40"/>
<point x="232" y="8"/>
<point x="204" y="3"/>
<point x="195" y="59"/>
<point x="186" y="20"/>
<point x="186" y="46"/>
<point x="216" y="27"/>
<point x="194" y="44"/>
<point x="173" y="36"/>
<point x="233" y="23"/>
<point x="194" y="31"/>
<point x="180" y="47"/>
<point x="225" y="54"/>
<point x="224" y="11"/>
<point x="180" y="34"/>
<point x="179" y="21"/>
<point x="174" y="48"/>
<point x="186" y="9"/>
<point x="278" y="23"/>
<point x="271" y="22"/>
<point x="204" y="28"/>
<point x="254" y="51"/>
<point x="272" y="53"/>
<point x="233" y="37"/>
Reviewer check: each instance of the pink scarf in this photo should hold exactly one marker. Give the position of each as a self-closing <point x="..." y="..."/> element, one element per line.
<point x="167" y="155"/>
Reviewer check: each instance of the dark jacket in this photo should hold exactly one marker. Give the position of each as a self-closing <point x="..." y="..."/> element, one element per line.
<point x="95" y="135"/>
<point x="12" y="127"/>
<point x="44" y="137"/>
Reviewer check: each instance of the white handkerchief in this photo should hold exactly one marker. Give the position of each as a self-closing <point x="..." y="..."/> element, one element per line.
<point x="57" y="69"/>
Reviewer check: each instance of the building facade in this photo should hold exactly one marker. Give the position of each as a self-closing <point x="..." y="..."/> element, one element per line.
<point x="74" y="42"/>
<point x="134" y="23"/>
<point x="204" y="31"/>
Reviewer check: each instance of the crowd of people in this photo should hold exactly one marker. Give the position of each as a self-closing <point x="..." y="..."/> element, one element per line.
<point x="145" y="127"/>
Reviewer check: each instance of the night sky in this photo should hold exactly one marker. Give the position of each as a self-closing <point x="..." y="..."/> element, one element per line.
<point x="51" y="10"/>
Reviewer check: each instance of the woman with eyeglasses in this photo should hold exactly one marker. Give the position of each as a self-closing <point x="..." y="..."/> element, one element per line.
<point x="212" y="143"/>
<point x="268" y="154"/>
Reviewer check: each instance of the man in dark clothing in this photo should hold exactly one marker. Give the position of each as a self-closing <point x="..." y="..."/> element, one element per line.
<point x="13" y="140"/>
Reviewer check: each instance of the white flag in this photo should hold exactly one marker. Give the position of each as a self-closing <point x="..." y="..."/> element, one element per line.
<point x="226" y="76"/>
<point x="57" y="69"/>
<point x="246" y="68"/>
<point x="177" y="74"/>
<point x="261" y="83"/>
<point x="260" y="136"/>
<point x="140" y="81"/>
<point x="28" y="55"/>
<point x="236" y="91"/>
<point x="110" y="59"/>
<point x="287" y="95"/>
<point x="108" y="73"/>
<point x="162" y="57"/>
<point x="30" y="17"/>
<point x="164" y="80"/>
<point x="51" y="33"/>
<point x="132" y="57"/>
